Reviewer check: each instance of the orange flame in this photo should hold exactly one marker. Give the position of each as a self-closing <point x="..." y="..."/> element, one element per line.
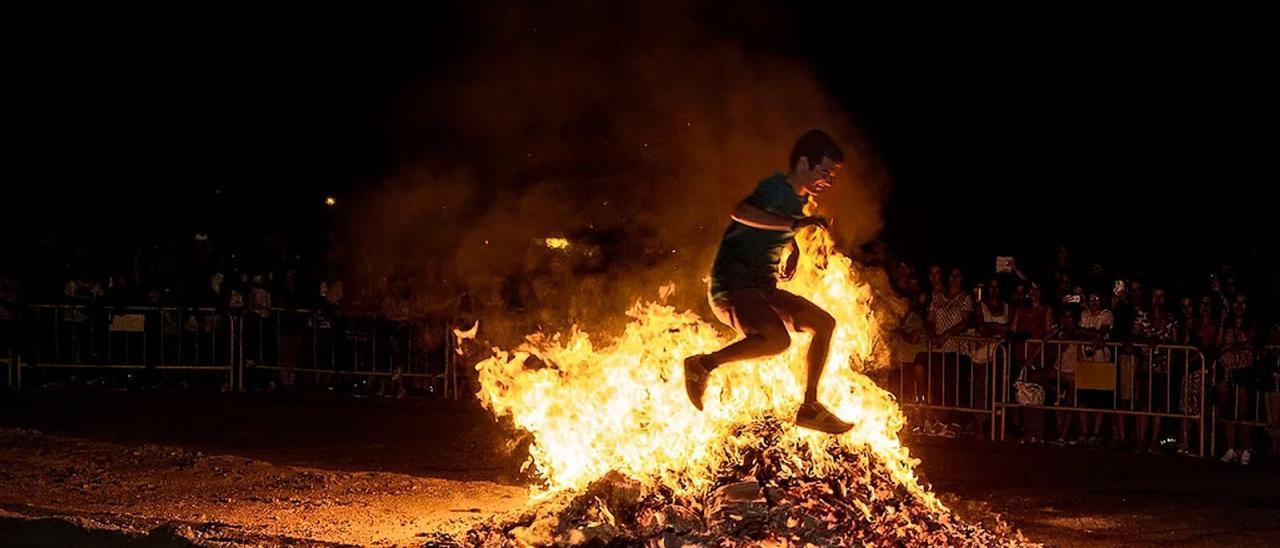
<point x="460" y="337"/>
<point x="592" y="408"/>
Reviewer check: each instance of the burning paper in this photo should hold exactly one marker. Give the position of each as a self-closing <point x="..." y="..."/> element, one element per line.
<point x="619" y="407"/>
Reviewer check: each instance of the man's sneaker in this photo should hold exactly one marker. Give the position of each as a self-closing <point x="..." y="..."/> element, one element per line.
<point x="1246" y="457"/>
<point x="1230" y="456"/>
<point x="816" y="417"/>
<point x="695" y="378"/>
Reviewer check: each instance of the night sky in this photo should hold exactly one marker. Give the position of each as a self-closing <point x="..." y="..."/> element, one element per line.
<point x="1136" y="134"/>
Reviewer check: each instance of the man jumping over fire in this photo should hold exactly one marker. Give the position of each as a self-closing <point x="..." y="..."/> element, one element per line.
<point x="744" y="277"/>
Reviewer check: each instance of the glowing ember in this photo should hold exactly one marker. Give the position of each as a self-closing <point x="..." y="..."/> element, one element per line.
<point x="557" y="243"/>
<point x="621" y="407"/>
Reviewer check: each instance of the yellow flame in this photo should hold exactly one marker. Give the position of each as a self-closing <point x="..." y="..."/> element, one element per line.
<point x="557" y="243"/>
<point x="592" y="407"/>
<point x="460" y="336"/>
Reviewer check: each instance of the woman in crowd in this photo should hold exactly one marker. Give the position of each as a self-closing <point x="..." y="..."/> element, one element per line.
<point x="950" y="313"/>
<point x="1236" y="339"/>
<point x="1031" y="324"/>
<point x="1154" y="326"/>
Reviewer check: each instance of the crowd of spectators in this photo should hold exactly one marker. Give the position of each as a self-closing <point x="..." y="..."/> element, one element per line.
<point x="1108" y="317"/>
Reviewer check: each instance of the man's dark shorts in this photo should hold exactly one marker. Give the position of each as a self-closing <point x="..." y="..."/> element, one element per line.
<point x="752" y="310"/>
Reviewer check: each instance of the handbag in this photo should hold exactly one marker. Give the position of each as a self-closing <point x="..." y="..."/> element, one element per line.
<point x="1027" y="393"/>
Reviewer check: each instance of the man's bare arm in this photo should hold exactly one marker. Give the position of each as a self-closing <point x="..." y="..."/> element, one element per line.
<point x="755" y="217"/>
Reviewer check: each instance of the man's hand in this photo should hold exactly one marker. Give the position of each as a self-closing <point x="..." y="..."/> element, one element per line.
<point x="793" y="259"/>
<point x="813" y="220"/>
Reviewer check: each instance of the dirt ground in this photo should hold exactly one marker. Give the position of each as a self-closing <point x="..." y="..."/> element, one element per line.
<point x="167" y="469"/>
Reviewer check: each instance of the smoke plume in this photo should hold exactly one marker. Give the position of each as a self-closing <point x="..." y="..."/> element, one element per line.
<point x="624" y="129"/>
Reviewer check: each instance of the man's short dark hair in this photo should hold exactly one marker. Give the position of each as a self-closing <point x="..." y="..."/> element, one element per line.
<point x="813" y="145"/>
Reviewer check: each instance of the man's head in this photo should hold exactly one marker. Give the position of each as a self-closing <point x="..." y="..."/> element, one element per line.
<point x="815" y="161"/>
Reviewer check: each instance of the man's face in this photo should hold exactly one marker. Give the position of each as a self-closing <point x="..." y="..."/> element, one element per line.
<point x="1095" y="303"/>
<point x="935" y="276"/>
<point x="816" y="179"/>
<point x="1157" y="298"/>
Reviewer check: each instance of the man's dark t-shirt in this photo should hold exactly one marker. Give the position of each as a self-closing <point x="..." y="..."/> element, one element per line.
<point x="748" y="256"/>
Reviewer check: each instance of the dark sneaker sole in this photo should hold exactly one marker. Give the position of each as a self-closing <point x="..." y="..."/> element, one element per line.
<point x="695" y="382"/>
<point x="825" y="428"/>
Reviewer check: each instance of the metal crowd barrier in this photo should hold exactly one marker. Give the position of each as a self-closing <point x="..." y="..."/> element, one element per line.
<point x="965" y="379"/>
<point x="105" y="338"/>
<point x="1103" y="369"/>
<point x="12" y="369"/>
<point x="1255" y="416"/>
<point x="248" y="347"/>
<point x="368" y="347"/>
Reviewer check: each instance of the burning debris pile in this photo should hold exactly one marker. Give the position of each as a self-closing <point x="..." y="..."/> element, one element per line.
<point x="763" y="496"/>
<point x="621" y="457"/>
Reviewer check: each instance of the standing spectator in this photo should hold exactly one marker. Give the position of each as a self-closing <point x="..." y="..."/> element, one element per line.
<point x="1237" y="336"/>
<point x="1018" y="297"/>
<point x="1154" y="326"/>
<point x="1271" y="392"/>
<point x="9" y="315"/>
<point x="1096" y="323"/>
<point x="1068" y="296"/>
<point x="1191" y="374"/>
<point x="1060" y="381"/>
<point x="1031" y="323"/>
<point x="293" y="322"/>
<point x="909" y="338"/>
<point x="1061" y="266"/>
<point x="936" y="285"/>
<point x="996" y="316"/>
<point x="950" y="313"/>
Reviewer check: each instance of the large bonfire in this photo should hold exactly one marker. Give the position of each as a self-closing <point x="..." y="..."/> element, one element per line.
<point x="622" y="458"/>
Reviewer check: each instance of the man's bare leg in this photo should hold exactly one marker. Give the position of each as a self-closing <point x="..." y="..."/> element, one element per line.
<point x="822" y="326"/>
<point x="764" y="334"/>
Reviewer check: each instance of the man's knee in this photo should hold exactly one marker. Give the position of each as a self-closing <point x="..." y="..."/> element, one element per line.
<point x="820" y="323"/>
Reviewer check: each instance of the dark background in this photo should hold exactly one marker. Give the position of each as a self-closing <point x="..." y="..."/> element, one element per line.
<point x="1139" y="138"/>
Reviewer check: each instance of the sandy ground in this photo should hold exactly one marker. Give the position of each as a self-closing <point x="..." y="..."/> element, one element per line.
<point x="230" y="499"/>
<point x="160" y="469"/>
